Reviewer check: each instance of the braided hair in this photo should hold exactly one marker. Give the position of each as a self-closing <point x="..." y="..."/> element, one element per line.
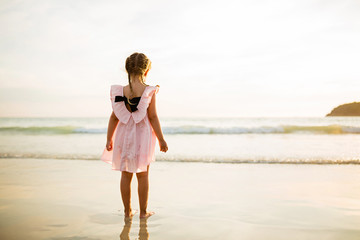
<point x="137" y="64"/>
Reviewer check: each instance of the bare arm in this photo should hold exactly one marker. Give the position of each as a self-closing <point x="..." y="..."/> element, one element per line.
<point x="111" y="127"/>
<point x="155" y="123"/>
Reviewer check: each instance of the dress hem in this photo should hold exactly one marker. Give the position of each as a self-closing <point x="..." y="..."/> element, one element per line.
<point x="124" y="170"/>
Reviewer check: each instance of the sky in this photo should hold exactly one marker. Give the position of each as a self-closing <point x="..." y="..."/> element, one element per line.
<point x="58" y="58"/>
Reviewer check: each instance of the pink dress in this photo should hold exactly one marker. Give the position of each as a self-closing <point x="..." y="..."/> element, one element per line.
<point x="134" y="139"/>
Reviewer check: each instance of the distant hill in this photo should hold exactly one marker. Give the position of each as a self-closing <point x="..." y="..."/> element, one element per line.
<point x="348" y="109"/>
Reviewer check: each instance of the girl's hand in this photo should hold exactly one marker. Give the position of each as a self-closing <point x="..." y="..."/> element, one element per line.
<point x="109" y="145"/>
<point x="163" y="146"/>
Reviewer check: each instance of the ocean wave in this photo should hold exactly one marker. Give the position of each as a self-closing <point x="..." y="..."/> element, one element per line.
<point x="188" y="160"/>
<point x="281" y="129"/>
<point x="39" y="130"/>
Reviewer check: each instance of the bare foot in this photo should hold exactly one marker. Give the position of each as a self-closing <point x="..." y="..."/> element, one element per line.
<point x="146" y="215"/>
<point x="130" y="214"/>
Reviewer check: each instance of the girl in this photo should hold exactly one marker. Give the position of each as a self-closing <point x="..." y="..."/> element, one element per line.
<point x="136" y="125"/>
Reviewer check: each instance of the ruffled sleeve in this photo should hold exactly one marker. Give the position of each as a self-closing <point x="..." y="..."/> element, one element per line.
<point x="119" y="108"/>
<point x="144" y="103"/>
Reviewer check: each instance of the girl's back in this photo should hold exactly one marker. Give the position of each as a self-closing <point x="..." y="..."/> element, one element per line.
<point x="137" y="89"/>
<point x="134" y="95"/>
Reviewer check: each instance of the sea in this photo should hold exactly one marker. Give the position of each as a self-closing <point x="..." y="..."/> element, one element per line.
<point x="315" y="140"/>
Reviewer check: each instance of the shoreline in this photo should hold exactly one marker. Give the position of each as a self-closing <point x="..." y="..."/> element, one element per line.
<point x="281" y="162"/>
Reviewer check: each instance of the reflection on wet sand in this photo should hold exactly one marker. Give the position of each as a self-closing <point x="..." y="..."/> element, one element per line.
<point x="143" y="232"/>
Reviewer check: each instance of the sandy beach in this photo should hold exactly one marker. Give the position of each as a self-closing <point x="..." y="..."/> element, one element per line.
<point x="79" y="199"/>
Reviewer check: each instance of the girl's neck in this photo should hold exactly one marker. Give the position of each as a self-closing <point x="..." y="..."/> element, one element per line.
<point x="137" y="79"/>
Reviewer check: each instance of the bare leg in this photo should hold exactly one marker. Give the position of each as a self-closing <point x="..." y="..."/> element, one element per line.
<point x="125" y="188"/>
<point x="143" y="191"/>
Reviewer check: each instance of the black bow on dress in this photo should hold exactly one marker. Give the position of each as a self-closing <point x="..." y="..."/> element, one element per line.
<point x="120" y="98"/>
<point x="123" y="98"/>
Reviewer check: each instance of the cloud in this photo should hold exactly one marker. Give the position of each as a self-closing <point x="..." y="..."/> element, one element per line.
<point x="236" y="50"/>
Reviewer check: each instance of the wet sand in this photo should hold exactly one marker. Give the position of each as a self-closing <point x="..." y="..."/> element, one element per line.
<point x="79" y="199"/>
